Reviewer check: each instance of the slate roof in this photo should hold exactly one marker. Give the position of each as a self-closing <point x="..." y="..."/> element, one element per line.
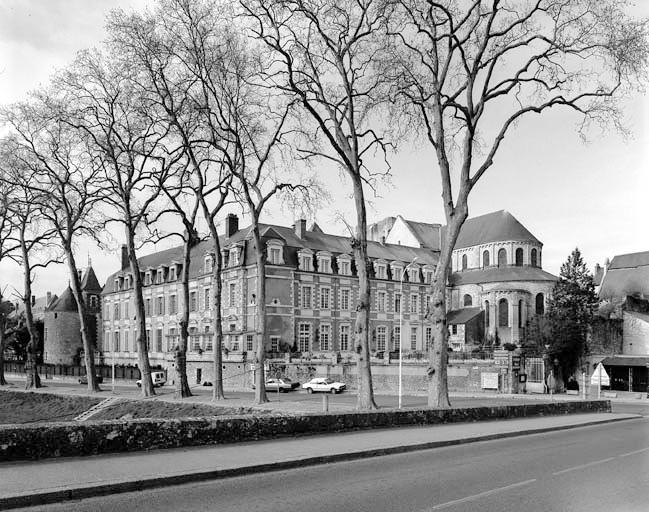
<point x="626" y="361"/>
<point x="498" y="274"/>
<point x="462" y="316"/>
<point x="492" y="227"/>
<point x="89" y="281"/>
<point x="66" y="302"/>
<point x="627" y="274"/>
<point x="314" y="240"/>
<point x="428" y="235"/>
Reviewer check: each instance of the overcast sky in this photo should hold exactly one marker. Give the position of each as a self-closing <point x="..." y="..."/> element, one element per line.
<point x="566" y="192"/>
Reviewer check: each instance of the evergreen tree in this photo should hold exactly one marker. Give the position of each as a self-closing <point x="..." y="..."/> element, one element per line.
<point x="570" y="312"/>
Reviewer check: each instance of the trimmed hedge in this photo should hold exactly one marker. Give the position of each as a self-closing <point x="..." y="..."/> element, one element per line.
<point x="19" y="442"/>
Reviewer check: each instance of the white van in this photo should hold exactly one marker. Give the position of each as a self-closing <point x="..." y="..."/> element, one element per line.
<point x="158" y="379"/>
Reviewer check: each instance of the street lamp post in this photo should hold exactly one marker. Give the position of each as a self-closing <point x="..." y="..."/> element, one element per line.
<point x="401" y="328"/>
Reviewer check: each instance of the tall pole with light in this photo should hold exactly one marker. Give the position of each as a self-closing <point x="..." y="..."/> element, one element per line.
<point x="405" y="270"/>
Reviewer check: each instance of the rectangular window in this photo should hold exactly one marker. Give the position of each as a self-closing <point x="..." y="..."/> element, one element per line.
<point x="380" y="272"/>
<point x="397" y="302"/>
<point x="344" y="337"/>
<point x="234" y="344"/>
<point x="325" y="266"/>
<point x="147" y="307"/>
<point x="208" y="264"/>
<point x="107" y="341"/>
<point x="305" y="263"/>
<point x="306" y="297"/>
<point x="249" y="342"/>
<point x="234" y="257"/>
<point x="413" y="275"/>
<point x="274" y="253"/>
<point x="173" y="308"/>
<point x="171" y="339"/>
<point x="325" y="336"/>
<point x="380" y="301"/>
<point x="414" y="303"/>
<point x="429" y="337"/>
<point x="194" y="339"/>
<point x="454" y="329"/>
<point x="427" y="303"/>
<point x="116" y="311"/>
<point x="160" y="305"/>
<point x="274" y="343"/>
<point x="380" y="338"/>
<point x="413" y="338"/>
<point x="304" y="337"/>
<point x="158" y="340"/>
<point x="125" y="341"/>
<point x="397" y="338"/>
<point x="324" y="298"/>
<point x="345" y="269"/>
<point x="206" y="293"/>
<point x="116" y="342"/>
<point x="193" y="301"/>
<point x="172" y="274"/>
<point x="232" y="296"/>
<point x="209" y="344"/>
<point x="428" y="277"/>
<point x="396" y="274"/>
<point x="160" y="277"/>
<point x="344" y="299"/>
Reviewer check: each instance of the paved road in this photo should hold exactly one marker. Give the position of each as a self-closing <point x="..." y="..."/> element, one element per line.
<point x="603" y="468"/>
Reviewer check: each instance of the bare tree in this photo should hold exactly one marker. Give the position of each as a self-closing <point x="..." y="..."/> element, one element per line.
<point x="35" y="247"/>
<point x="165" y="45"/>
<point x="325" y="55"/>
<point x="468" y="71"/>
<point x="125" y="141"/>
<point x="8" y="247"/>
<point x="66" y="188"/>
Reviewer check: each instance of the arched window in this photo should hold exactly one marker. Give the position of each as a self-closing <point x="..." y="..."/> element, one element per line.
<point x="468" y="301"/>
<point x="485" y="259"/>
<point x="464" y="262"/>
<point x="502" y="257"/>
<point x="533" y="258"/>
<point x="519" y="257"/>
<point x="503" y="313"/>
<point x="520" y="313"/>
<point x="540" y="305"/>
<point x="486" y="313"/>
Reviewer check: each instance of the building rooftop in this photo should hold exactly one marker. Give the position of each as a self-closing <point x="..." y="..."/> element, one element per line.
<point x="66" y="302"/>
<point x="497" y="274"/>
<point x="627" y="274"/>
<point x="492" y="227"/>
<point x="462" y="316"/>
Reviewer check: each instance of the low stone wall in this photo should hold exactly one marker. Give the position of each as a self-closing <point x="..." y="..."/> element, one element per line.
<point x="94" y="437"/>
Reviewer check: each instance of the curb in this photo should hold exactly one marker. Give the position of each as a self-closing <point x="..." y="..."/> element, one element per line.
<point x="90" y="491"/>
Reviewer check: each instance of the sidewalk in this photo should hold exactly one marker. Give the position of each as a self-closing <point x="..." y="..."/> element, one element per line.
<point x="55" y="480"/>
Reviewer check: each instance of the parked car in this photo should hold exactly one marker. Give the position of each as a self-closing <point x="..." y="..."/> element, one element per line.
<point x="324" y="384"/>
<point x="158" y="379"/>
<point x="84" y="379"/>
<point x="283" y="385"/>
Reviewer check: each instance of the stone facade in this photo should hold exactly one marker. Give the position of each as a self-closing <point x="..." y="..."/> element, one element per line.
<point x="636" y="334"/>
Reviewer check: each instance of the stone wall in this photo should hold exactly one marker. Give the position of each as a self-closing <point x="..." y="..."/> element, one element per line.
<point x="20" y="442"/>
<point x="636" y="334"/>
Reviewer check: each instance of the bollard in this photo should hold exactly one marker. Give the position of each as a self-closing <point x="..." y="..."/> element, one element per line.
<point x="325" y="402"/>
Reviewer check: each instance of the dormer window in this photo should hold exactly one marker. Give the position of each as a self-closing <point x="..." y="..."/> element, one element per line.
<point x="428" y="275"/>
<point x="234" y="257"/>
<point x="344" y="265"/>
<point x="397" y="270"/>
<point x="324" y="262"/>
<point x="275" y="252"/>
<point x="380" y="269"/>
<point x="209" y="263"/>
<point x="413" y="274"/>
<point x="160" y="276"/>
<point x="172" y="273"/>
<point x="147" y="278"/>
<point x="305" y="259"/>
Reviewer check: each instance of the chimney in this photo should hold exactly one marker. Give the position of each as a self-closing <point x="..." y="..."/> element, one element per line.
<point x="383" y="240"/>
<point x="124" y="256"/>
<point x="231" y="225"/>
<point x="300" y="228"/>
<point x="49" y="298"/>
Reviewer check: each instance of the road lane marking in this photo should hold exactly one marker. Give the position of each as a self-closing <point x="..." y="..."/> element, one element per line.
<point x="482" y="494"/>
<point x="582" y="466"/>
<point x="634" y="452"/>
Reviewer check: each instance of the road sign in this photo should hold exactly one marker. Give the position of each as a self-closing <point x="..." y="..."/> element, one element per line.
<point x="600" y="377"/>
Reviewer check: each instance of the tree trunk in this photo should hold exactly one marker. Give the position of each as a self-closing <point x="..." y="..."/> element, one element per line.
<point x="436" y="373"/>
<point x="365" y="396"/>
<point x="81" y="308"/>
<point x="140" y="314"/>
<point x="217" y="297"/>
<point x="3" y="327"/>
<point x="182" y="386"/>
<point x="33" y="379"/>
<point x="260" y="378"/>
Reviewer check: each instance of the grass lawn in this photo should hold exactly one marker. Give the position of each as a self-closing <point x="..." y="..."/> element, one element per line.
<point x="19" y="407"/>
<point x="157" y="409"/>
